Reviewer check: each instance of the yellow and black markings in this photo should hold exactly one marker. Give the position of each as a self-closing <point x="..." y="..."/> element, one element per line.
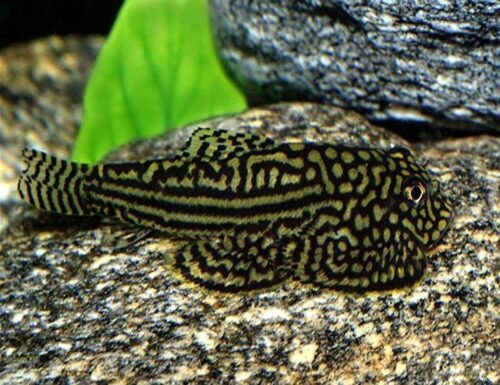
<point x="257" y="212"/>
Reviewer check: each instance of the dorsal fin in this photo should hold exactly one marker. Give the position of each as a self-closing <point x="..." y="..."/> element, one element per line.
<point x="210" y="144"/>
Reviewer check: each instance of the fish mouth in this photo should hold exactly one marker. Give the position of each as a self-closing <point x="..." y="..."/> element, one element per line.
<point x="445" y="231"/>
<point x="450" y="221"/>
<point x="453" y="214"/>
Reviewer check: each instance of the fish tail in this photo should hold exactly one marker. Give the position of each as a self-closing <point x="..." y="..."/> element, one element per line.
<point x="52" y="184"/>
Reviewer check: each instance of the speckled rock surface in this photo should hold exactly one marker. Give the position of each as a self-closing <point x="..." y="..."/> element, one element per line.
<point x="397" y="62"/>
<point x="76" y="309"/>
<point x="41" y="89"/>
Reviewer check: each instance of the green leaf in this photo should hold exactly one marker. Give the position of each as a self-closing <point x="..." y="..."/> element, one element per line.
<point x="158" y="70"/>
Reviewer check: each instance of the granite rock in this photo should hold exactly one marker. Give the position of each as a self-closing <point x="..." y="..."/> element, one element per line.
<point x="75" y="308"/>
<point x="78" y="307"/>
<point x="406" y="65"/>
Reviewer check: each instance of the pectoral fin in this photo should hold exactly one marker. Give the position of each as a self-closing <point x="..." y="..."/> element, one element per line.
<point x="233" y="264"/>
<point x="358" y="270"/>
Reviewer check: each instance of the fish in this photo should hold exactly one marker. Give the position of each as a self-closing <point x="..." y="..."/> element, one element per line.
<point x="255" y="212"/>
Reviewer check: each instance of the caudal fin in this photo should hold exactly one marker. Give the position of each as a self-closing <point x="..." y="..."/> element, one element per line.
<point x="53" y="184"/>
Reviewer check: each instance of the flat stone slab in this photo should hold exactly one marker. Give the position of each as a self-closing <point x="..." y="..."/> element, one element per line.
<point x="407" y="65"/>
<point x="75" y="308"/>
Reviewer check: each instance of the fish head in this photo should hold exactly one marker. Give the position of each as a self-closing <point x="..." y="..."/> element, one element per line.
<point x="425" y="211"/>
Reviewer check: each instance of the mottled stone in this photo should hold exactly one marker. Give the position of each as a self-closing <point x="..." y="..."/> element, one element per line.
<point x="285" y="121"/>
<point x="41" y="89"/>
<point x="417" y="63"/>
<point x="76" y="308"/>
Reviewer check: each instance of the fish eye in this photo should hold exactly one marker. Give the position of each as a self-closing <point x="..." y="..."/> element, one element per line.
<point x="415" y="192"/>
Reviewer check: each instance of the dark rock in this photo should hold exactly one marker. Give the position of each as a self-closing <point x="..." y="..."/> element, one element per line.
<point x="408" y="65"/>
<point x="74" y="308"/>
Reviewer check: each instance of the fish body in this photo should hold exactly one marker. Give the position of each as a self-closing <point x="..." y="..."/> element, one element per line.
<point x="256" y="212"/>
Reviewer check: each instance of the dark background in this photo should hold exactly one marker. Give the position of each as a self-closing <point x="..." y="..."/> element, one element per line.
<point x="24" y="20"/>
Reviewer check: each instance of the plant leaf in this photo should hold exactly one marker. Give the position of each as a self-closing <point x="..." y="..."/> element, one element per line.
<point x="158" y="70"/>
